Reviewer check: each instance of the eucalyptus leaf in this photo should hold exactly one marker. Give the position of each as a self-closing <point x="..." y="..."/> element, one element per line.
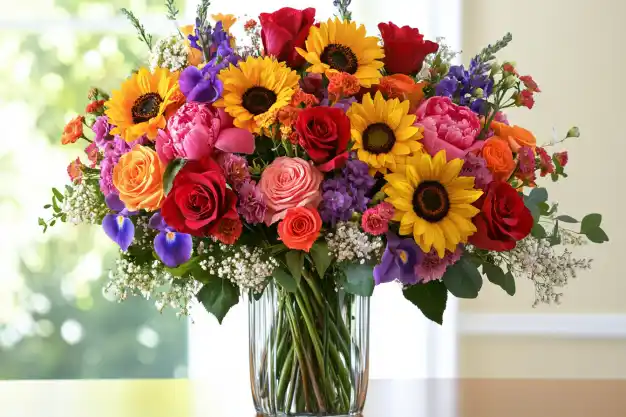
<point x="567" y="219"/>
<point x="173" y="168"/>
<point x="58" y="195"/>
<point x="498" y="277"/>
<point x="359" y="279"/>
<point x="321" y="257"/>
<point x="538" y="195"/>
<point x="597" y="235"/>
<point x="430" y="298"/>
<point x="590" y="222"/>
<point x="218" y="296"/>
<point x="463" y="279"/>
<point x="538" y="231"/>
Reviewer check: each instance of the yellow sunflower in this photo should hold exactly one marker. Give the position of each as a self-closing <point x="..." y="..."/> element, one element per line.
<point x="383" y="131"/>
<point x="433" y="203"/>
<point x="256" y="89"/>
<point x="340" y="46"/>
<point x="139" y="107"/>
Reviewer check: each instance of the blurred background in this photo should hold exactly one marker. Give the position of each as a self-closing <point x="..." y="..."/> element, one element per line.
<point x="55" y="322"/>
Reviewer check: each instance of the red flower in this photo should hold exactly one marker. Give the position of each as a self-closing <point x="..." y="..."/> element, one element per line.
<point x="250" y="25"/>
<point x="199" y="200"/>
<point x="228" y="231"/>
<point x="93" y="154"/>
<point x="324" y="135"/>
<point x="530" y="84"/>
<point x="526" y="99"/>
<point x="561" y="158"/>
<point x="508" y="67"/>
<point x="545" y="162"/>
<point x="283" y="31"/>
<point x="504" y="219"/>
<point x="95" y="107"/>
<point x="405" y="48"/>
<point x="75" y="171"/>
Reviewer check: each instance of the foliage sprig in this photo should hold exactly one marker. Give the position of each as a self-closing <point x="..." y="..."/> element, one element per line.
<point x="141" y="30"/>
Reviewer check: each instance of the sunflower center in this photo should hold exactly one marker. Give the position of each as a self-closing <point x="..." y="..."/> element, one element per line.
<point x="340" y="58"/>
<point x="146" y="107"/>
<point x="258" y="100"/>
<point x="378" y="138"/>
<point x="431" y="201"/>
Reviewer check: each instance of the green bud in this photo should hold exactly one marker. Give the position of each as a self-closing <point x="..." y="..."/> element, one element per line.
<point x="509" y="81"/>
<point x="573" y="132"/>
<point x="495" y="68"/>
<point x="479" y="92"/>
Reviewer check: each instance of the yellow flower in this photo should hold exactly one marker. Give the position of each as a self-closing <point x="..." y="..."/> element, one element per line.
<point x="259" y="87"/>
<point x="433" y="203"/>
<point x="194" y="56"/>
<point x="228" y="20"/>
<point x="139" y="107"/>
<point x="383" y="131"/>
<point x="341" y="46"/>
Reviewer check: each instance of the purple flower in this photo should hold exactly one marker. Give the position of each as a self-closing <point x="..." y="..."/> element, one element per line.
<point x="200" y="85"/>
<point x="398" y="262"/>
<point x="467" y="87"/>
<point x="357" y="174"/>
<point x="117" y="225"/>
<point x="475" y="166"/>
<point x="343" y="104"/>
<point x="173" y="248"/>
<point x="101" y="128"/>
<point x="113" y="151"/>
<point x="251" y="204"/>
<point x="432" y="267"/>
<point x="235" y="169"/>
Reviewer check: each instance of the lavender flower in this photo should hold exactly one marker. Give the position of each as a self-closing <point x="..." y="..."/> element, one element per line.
<point x="467" y="87"/>
<point x="101" y="128"/>
<point x="113" y="151"/>
<point x="251" y="203"/>
<point x="475" y="166"/>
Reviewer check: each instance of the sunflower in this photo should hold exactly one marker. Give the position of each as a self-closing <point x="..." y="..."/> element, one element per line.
<point x="433" y="203"/>
<point x="341" y="46"/>
<point x="139" y="107"/>
<point x="383" y="131"/>
<point x="255" y="90"/>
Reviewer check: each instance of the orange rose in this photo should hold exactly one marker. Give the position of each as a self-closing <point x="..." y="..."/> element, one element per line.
<point x="402" y="87"/>
<point x="516" y="136"/>
<point x="300" y="228"/>
<point x="499" y="158"/>
<point x="138" y="176"/>
<point x="73" y="130"/>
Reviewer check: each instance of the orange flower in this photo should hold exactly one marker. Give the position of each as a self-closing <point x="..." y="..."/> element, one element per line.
<point x="194" y="56"/>
<point x="300" y="97"/>
<point x="288" y="115"/>
<point x="402" y="87"/>
<point x="516" y="136"/>
<point x="73" y="130"/>
<point x="95" y="106"/>
<point x="497" y="153"/>
<point x="300" y="228"/>
<point x="138" y="176"/>
<point x="75" y="171"/>
<point x="342" y="84"/>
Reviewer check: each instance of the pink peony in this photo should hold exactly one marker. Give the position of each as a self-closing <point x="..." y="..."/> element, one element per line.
<point x="287" y="183"/>
<point x="449" y="127"/>
<point x="195" y="130"/>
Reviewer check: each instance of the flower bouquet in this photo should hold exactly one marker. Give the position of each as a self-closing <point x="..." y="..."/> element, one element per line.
<point x="304" y="164"/>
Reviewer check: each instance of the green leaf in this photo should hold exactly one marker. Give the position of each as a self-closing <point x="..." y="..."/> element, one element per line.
<point x="497" y="276"/>
<point x="47" y="206"/>
<point x="544" y="208"/>
<point x="553" y="210"/>
<point x="321" y="257"/>
<point x="567" y="219"/>
<point x="184" y="269"/>
<point x="463" y="279"/>
<point x="69" y="190"/>
<point x="295" y="263"/>
<point x="539" y="232"/>
<point x="41" y="222"/>
<point x="173" y="168"/>
<point x="58" y="195"/>
<point x="359" y="279"/>
<point x="430" y="298"/>
<point x="55" y="206"/>
<point x="590" y="222"/>
<point x="218" y="296"/>
<point x="285" y="280"/>
<point x="53" y="222"/>
<point x="555" y="237"/>
<point x="597" y="235"/>
<point x="538" y="195"/>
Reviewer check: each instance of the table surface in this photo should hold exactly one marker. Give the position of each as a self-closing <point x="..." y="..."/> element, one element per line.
<point x="420" y="398"/>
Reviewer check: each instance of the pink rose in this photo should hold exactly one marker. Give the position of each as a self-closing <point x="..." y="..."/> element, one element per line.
<point x="196" y="130"/>
<point x="287" y="183"/>
<point x="448" y="127"/>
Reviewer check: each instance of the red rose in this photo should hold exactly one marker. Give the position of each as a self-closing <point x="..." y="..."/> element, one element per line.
<point x="199" y="200"/>
<point x="285" y="30"/>
<point x="504" y="219"/>
<point x="324" y="135"/>
<point x="405" y="48"/>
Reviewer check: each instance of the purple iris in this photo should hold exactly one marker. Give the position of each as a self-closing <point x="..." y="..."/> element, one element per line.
<point x="173" y="248"/>
<point x="467" y="87"/>
<point x="201" y="85"/>
<point x="398" y="262"/>
<point x="118" y="225"/>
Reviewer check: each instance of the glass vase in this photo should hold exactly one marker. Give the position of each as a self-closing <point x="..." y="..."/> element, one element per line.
<point x="309" y="350"/>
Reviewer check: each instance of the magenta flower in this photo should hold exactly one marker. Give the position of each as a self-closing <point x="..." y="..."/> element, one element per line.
<point x="432" y="267"/>
<point x="197" y="130"/>
<point x="235" y="169"/>
<point x="251" y="205"/>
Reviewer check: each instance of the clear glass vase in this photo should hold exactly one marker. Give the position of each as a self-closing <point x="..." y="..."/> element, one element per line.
<point x="309" y="351"/>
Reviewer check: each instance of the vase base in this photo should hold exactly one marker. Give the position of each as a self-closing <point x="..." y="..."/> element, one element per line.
<point x="308" y="415"/>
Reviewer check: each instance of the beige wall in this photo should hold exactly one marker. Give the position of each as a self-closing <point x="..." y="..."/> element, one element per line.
<point x="575" y="51"/>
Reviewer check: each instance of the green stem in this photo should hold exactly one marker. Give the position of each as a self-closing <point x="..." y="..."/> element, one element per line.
<point x="293" y="385"/>
<point x="306" y="315"/>
<point x="285" y="374"/>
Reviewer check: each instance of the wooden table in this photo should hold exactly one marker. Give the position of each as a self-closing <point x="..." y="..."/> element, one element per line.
<point x="432" y="398"/>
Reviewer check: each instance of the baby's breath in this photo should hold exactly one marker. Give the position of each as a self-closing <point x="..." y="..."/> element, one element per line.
<point x="170" y="53"/>
<point x="349" y="243"/>
<point x="84" y="204"/>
